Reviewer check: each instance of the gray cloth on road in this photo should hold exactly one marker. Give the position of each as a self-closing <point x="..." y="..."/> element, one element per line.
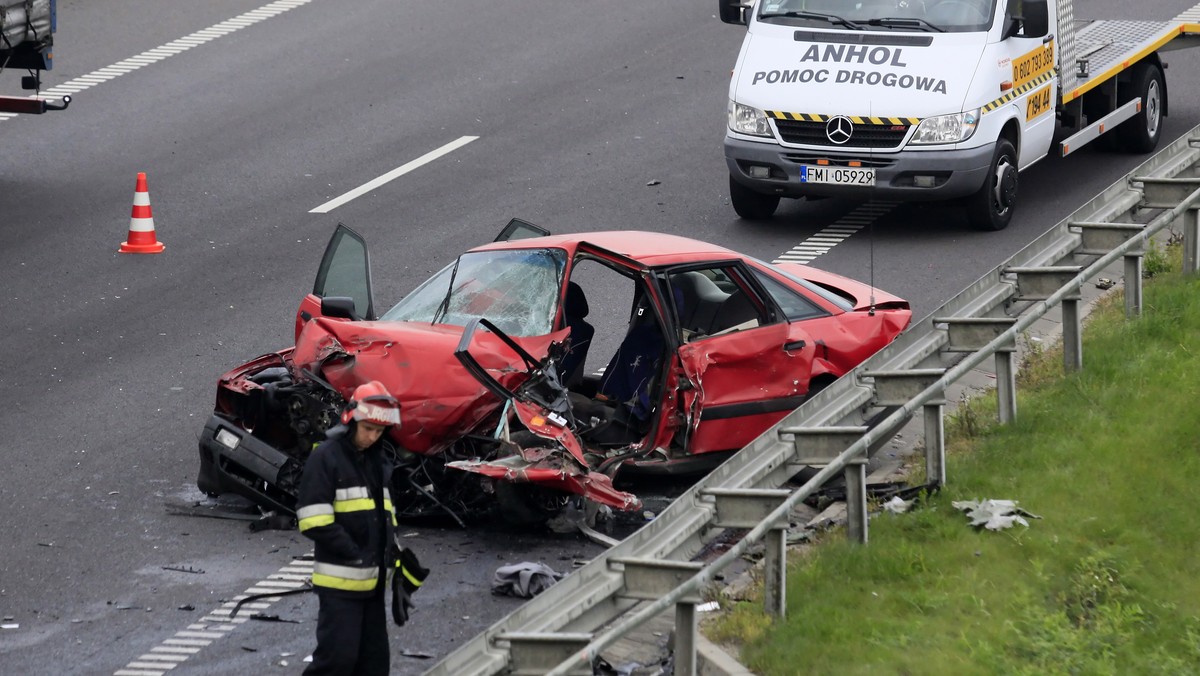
<point x="524" y="580"/>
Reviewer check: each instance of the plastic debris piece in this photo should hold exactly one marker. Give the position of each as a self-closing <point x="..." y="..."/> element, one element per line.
<point x="417" y="655"/>
<point x="10" y="625"/>
<point x="897" y="505"/>
<point x="994" y="514"/>
<point x="654" y="182"/>
<point x="708" y="607"/>
<point x="1105" y="283"/>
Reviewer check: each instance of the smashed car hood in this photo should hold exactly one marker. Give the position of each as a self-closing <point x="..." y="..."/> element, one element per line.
<point x="440" y="401"/>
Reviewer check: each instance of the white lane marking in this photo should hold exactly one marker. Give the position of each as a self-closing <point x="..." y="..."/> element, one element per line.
<point x="836" y="232"/>
<point x="214" y="626"/>
<point x="393" y="174"/>
<point x="170" y="49"/>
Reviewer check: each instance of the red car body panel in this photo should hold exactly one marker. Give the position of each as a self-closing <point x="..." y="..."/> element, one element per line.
<point x="439" y="400"/>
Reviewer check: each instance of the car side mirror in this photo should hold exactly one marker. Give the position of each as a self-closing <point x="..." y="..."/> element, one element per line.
<point x="338" y="306"/>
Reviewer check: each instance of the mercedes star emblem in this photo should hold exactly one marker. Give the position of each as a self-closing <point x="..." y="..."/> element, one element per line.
<point x="838" y="129"/>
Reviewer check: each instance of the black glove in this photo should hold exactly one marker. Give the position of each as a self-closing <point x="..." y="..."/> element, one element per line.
<point x="400" y="603"/>
<point x="407" y="577"/>
<point x="408" y="568"/>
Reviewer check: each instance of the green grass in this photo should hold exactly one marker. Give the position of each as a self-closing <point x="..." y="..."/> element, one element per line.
<point x="1107" y="582"/>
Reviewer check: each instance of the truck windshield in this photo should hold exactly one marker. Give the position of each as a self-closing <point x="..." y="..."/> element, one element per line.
<point x="957" y="16"/>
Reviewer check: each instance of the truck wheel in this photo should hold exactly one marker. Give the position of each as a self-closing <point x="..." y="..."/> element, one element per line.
<point x="1140" y="133"/>
<point x="751" y="205"/>
<point x="992" y="207"/>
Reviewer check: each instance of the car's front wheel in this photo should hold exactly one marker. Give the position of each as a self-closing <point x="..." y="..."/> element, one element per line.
<point x="751" y="205"/>
<point x="992" y="207"/>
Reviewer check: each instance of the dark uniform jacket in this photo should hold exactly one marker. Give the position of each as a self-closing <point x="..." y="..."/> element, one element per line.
<point x="344" y="506"/>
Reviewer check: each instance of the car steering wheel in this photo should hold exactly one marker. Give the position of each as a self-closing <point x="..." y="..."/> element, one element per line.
<point x="954" y="8"/>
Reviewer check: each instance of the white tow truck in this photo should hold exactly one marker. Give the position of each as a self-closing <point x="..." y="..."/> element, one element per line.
<point x="920" y="100"/>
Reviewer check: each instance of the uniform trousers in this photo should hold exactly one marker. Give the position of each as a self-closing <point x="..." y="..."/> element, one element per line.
<point x="352" y="637"/>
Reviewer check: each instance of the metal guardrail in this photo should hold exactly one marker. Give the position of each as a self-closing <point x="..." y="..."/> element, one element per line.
<point x="563" y="629"/>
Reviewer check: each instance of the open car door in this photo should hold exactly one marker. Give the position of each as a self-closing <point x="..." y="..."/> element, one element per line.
<point x="343" y="285"/>
<point x="520" y="229"/>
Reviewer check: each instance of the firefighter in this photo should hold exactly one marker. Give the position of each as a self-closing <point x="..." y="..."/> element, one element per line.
<point x="345" y="507"/>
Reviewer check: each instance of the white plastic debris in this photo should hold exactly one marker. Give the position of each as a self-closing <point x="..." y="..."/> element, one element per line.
<point x="994" y="514"/>
<point x="897" y="505"/>
<point x="708" y="607"/>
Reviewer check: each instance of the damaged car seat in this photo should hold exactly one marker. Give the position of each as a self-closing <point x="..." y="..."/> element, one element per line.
<point x="575" y="308"/>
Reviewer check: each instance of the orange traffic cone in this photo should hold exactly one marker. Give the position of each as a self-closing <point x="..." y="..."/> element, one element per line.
<point x="141" y="223"/>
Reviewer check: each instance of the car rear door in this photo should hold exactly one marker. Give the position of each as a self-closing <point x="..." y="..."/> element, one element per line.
<point x="343" y="284"/>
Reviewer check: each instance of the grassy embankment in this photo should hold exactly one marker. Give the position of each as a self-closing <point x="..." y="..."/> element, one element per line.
<point x="1106" y="582"/>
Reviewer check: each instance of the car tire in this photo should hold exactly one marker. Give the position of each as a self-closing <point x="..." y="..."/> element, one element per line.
<point x="1140" y="133"/>
<point x="750" y="205"/>
<point x="992" y="207"/>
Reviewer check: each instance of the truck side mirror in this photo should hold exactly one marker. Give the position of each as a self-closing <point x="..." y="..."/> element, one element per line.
<point x="1033" y="16"/>
<point x="731" y="11"/>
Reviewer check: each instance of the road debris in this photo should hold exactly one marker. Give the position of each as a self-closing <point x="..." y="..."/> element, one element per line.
<point x="524" y="580"/>
<point x="184" y="569"/>
<point x="994" y="514"/>
<point x="897" y="505"/>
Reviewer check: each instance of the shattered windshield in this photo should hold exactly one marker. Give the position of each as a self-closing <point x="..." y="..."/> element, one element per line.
<point x="910" y="15"/>
<point x="516" y="289"/>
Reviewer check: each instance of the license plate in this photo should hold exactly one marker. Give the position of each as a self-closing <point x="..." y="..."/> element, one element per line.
<point x="838" y="175"/>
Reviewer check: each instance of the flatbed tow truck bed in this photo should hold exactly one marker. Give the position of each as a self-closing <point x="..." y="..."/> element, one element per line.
<point x="1104" y="48"/>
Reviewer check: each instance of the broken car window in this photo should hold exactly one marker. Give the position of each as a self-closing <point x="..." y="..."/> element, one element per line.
<point x="516" y="289"/>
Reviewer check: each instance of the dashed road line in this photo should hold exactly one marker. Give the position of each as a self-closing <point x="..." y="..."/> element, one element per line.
<point x="393" y="174"/>
<point x="836" y="232"/>
<point x="218" y="623"/>
<point x="170" y="49"/>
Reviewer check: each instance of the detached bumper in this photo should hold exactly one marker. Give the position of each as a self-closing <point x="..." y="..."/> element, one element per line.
<point x="234" y="461"/>
<point x="955" y="173"/>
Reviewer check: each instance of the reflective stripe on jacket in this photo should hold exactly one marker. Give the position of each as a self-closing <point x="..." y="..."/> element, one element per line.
<point x="344" y="506"/>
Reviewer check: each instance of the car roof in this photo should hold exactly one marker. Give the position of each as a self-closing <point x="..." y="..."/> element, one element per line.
<point x="649" y="248"/>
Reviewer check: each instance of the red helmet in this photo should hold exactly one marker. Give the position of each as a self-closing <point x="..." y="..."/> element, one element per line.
<point x="372" y="403"/>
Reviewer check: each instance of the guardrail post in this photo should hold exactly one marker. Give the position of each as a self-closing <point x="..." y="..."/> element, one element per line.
<point x="746" y="508"/>
<point x="1101" y="238"/>
<point x="1133" y="284"/>
<point x="820" y="446"/>
<point x="651" y="579"/>
<point x="935" y="442"/>
<point x="897" y="388"/>
<point x="856" y="500"/>
<point x="1040" y="283"/>
<point x="971" y="334"/>
<point x="533" y="654"/>
<point x="1072" y="335"/>
<point x="1191" y="237"/>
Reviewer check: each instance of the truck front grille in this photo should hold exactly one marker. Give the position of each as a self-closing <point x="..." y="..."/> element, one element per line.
<point x="862" y="136"/>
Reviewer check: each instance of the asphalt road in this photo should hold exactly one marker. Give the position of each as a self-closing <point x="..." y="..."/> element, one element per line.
<point x="588" y="116"/>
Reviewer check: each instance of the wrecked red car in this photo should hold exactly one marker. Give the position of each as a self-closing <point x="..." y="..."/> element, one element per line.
<point x="534" y="369"/>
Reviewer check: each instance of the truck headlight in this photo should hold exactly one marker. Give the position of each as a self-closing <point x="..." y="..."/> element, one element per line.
<point x="747" y="120"/>
<point x="947" y="128"/>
